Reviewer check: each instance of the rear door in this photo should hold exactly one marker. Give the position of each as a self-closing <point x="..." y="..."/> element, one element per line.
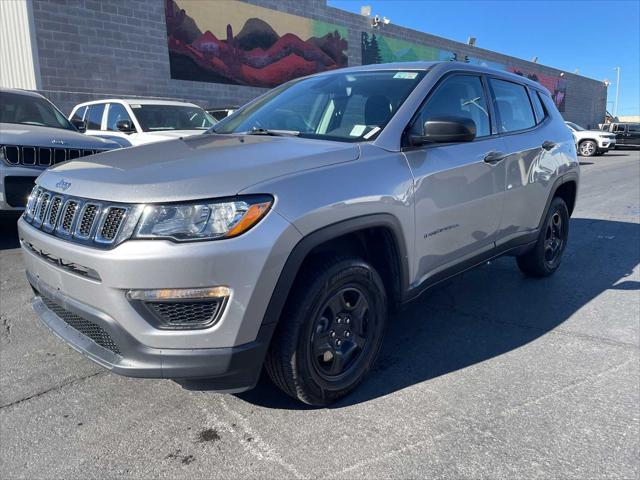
<point x="532" y="140"/>
<point x="620" y="132"/>
<point x="458" y="193"/>
<point x="632" y="135"/>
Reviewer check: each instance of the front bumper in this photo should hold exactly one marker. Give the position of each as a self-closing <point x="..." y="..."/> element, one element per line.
<point x="606" y="144"/>
<point x="15" y="185"/>
<point x="231" y="350"/>
<point x="231" y="369"/>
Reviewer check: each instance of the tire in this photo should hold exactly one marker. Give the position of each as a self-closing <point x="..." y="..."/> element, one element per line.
<point x="587" y="148"/>
<point x="545" y="257"/>
<point x="330" y="332"/>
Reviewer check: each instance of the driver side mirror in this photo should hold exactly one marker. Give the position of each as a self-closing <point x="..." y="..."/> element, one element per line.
<point x="445" y="130"/>
<point x="125" y="126"/>
<point x="81" y="125"/>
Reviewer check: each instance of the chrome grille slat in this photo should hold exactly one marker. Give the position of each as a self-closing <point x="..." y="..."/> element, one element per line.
<point x="43" y="207"/>
<point x="52" y="218"/>
<point x="80" y="220"/>
<point x="111" y="224"/>
<point x="86" y="220"/>
<point x="68" y="215"/>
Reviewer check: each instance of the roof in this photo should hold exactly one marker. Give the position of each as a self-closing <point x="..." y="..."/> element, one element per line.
<point x="139" y="101"/>
<point x="443" y="66"/>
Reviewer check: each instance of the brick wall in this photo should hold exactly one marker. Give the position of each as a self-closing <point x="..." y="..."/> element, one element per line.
<point x="90" y="49"/>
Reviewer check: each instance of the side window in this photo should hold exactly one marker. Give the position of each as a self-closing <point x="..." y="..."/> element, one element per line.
<point x="633" y="127"/>
<point x="538" y="108"/>
<point x="116" y="113"/>
<point x="513" y="106"/>
<point x="619" y="128"/>
<point x="94" y="118"/>
<point x="458" y="96"/>
<point x="79" y="115"/>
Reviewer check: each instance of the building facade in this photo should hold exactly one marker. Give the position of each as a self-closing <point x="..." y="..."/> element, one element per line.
<point x="220" y="53"/>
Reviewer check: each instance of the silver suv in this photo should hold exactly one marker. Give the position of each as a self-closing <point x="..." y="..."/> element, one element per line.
<point x="286" y="235"/>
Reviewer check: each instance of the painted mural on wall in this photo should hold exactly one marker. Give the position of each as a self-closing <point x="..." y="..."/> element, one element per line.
<point x="381" y="49"/>
<point x="227" y="41"/>
<point x="556" y="85"/>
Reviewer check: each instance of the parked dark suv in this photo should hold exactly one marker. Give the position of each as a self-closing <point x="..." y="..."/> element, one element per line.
<point x="286" y="234"/>
<point x="627" y="134"/>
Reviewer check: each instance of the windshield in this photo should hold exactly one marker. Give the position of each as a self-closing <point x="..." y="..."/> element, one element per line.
<point x="153" y="118"/>
<point x="346" y="107"/>
<point x="575" y="126"/>
<point x="31" y="110"/>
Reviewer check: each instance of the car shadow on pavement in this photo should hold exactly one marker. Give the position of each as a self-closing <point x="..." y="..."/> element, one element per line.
<point x="9" y="232"/>
<point x="487" y="312"/>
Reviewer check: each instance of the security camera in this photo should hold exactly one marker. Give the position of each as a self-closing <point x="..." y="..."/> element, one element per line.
<point x="386" y="21"/>
<point x="376" y="21"/>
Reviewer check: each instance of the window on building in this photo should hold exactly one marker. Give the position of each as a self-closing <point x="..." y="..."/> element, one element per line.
<point x="513" y="105"/>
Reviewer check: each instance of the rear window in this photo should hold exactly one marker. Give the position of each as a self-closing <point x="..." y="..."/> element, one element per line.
<point x="513" y="105"/>
<point x="538" y="108"/>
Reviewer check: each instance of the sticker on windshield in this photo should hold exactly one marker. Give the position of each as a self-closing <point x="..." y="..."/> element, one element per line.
<point x="406" y="75"/>
<point x="357" y="130"/>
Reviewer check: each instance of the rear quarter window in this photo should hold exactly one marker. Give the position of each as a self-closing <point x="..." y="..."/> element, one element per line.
<point x="512" y="103"/>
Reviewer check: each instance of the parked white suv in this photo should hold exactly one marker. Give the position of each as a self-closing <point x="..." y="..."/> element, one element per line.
<point x="137" y="121"/>
<point x="591" y="142"/>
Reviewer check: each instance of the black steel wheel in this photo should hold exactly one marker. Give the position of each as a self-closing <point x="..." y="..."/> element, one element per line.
<point x="330" y="332"/>
<point x="545" y="257"/>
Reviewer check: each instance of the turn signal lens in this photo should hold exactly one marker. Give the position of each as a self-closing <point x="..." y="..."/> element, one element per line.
<point x="179" y="293"/>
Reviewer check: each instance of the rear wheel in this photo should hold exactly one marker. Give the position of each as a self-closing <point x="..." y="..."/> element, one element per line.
<point x="587" y="148"/>
<point x="544" y="259"/>
<point x="330" y="332"/>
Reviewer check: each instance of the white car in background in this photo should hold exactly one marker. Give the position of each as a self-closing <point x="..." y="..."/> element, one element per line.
<point x="591" y="142"/>
<point x="133" y="122"/>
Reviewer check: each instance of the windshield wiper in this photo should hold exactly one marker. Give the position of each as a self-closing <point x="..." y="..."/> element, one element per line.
<point x="273" y="133"/>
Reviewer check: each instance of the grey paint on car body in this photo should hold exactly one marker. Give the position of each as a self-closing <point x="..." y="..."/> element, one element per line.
<point x="449" y="204"/>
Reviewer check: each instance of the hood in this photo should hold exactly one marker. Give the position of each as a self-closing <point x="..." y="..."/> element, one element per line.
<point x="35" y="136"/>
<point x="197" y="167"/>
<point x="159" y="136"/>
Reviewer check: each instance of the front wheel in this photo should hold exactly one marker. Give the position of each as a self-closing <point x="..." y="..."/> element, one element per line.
<point x="587" y="148"/>
<point x="545" y="257"/>
<point x="330" y="332"/>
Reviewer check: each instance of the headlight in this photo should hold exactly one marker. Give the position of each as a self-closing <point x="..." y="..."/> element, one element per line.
<point x="202" y="221"/>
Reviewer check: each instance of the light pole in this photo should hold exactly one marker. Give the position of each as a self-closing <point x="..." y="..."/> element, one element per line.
<point x="615" y="105"/>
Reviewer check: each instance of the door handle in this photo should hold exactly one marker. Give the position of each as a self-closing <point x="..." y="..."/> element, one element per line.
<point x="493" y="157"/>
<point x="548" y="145"/>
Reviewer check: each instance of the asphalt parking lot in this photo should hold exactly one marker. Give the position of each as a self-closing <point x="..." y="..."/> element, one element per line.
<point x="488" y="375"/>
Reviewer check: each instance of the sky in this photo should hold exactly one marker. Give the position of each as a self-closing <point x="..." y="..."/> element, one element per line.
<point x="590" y="35"/>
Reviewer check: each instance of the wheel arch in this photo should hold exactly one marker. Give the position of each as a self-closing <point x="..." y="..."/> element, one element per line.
<point x="349" y="234"/>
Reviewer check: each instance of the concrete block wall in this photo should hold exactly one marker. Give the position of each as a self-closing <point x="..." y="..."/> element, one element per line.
<point x="91" y="49"/>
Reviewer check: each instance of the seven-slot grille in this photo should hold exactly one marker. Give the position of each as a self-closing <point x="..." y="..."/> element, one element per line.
<point x="42" y="156"/>
<point x="76" y="219"/>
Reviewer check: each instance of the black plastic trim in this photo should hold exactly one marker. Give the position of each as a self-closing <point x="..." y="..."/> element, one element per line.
<point x="233" y="369"/>
<point x="325" y="234"/>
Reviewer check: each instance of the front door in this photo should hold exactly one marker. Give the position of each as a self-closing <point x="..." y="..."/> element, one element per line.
<point x="459" y="187"/>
